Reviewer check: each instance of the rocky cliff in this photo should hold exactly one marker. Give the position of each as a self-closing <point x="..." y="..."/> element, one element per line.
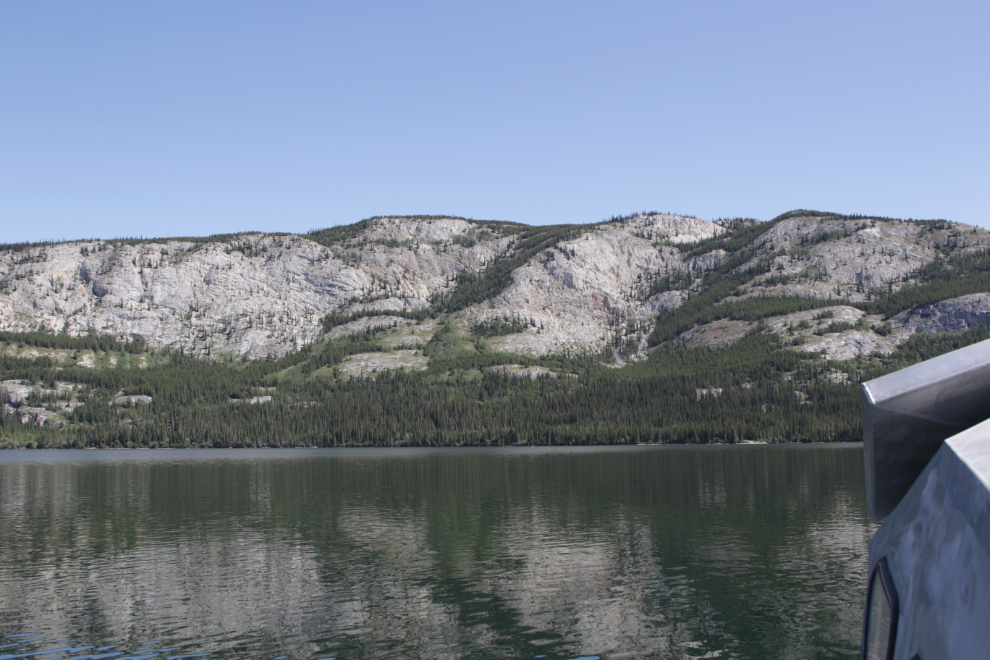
<point x="249" y="294"/>
<point x="266" y="294"/>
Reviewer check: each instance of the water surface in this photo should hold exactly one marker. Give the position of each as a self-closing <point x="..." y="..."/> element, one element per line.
<point x="670" y="552"/>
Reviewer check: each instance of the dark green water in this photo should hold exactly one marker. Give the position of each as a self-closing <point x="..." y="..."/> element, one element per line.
<point x="672" y="552"/>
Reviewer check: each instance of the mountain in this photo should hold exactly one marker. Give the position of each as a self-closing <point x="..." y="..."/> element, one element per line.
<point x="495" y="299"/>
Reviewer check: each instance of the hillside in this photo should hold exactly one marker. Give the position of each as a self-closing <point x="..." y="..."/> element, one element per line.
<point x="102" y="340"/>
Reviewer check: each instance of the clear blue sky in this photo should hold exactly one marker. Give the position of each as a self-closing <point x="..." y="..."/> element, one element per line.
<point x="177" y="118"/>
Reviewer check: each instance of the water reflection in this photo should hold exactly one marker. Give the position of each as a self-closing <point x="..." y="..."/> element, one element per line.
<point x="741" y="552"/>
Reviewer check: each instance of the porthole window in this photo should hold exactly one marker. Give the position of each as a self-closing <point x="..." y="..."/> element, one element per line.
<point x="880" y="620"/>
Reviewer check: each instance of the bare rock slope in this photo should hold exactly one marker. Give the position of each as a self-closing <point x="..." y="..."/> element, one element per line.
<point x="577" y="291"/>
<point x="265" y="294"/>
<point x="251" y="294"/>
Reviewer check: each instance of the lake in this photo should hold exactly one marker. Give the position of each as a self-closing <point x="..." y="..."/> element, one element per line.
<point x="632" y="552"/>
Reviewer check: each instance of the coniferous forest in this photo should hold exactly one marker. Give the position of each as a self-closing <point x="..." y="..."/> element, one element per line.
<point x="750" y="391"/>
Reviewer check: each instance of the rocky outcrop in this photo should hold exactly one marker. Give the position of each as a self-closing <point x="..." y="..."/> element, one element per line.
<point x="260" y="294"/>
<point x="366" y="323"/>
<point x="365" y="364"/>
<point x="254" y="400"/>
<point x="133" y="400"/>
<point x="576" y="292"/>
<point x="954" y="315"/>
<point x="14" y="392"/>
<point x="670" y="228"/>
<point x="58" y="401"/>
<point x="519" y="371"/>
<point x="252" y="294"/>
<point x="848" y="345"/>
<point x="719" y="334"/>
<point x="849" y="258"/>
<point x="435" y="230"/>
<point x="38" y="416"/>
<point x="809" y="331"/>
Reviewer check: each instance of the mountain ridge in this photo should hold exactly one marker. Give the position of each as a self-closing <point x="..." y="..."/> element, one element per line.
<point x="259" y="294"/>
<point x="287" y="320"/>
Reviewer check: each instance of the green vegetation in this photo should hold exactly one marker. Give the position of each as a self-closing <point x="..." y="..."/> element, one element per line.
<point x="445" y="344"/>
<point x="496" y="327"/>
<point x="701" y="309"/>
<point x="940" y="279"/>
<point x="339" y="350"/>
<point x="718" y="297"/>
<point x="670" y="280"/>
<point x="94" y="343"/>
<point x="333" y="319"/>
<point x="451" y="403"/>
<point x="836" y="326"/>
<point x="470" y="288"/>
<point x="463" y="241"/>
<point x="741" y="234"/>
<point x="883" y="329"/>
<point x="751" y="390"/>
<point x="340" y="234"/>
<point x="920" y="347"/>
<point x="473" y="288"/>
<point x="825" y="215"/>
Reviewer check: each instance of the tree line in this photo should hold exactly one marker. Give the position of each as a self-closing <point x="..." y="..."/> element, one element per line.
<point x="751" y="390"/>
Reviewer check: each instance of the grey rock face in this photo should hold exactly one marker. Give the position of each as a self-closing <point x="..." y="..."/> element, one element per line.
<point x="39" y="416"/>
<point x="720" y="333"/>
<point x="666" y="301"/>
<point x="14" y="391"/>
<point x="133" y="400"/>
<point x="366" y="323"/>
<point x="254" y="400"/>
<point x="955" y="315"/>
<point x="432" y="230"/>
<point x="252" y="295"/>
<point x="671" y="228"/>
<point x="369" y="363"/>
<point x="14" y="394"/>
<point x="258" y="294"/>
<point x="848" y="344"/>
<point x="847" y="258"/>
<point x="518" y="371"/>
<point x="576" y="291"/>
